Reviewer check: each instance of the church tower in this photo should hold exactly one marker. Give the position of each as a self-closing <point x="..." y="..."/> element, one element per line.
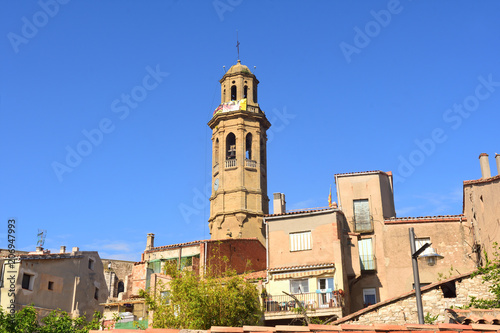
<point x="239" y="165"/>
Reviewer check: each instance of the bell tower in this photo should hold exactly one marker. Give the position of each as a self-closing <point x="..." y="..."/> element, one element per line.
<point x="239" y="165"/>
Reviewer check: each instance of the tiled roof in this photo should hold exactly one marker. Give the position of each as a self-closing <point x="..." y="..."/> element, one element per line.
<point x="164" y="247"/>
<point x="255" y="275"/>
<point x="45" y="256"/>
<point x="301" y="267"/>
<point x="426" y="219"/>
<point x="314" y="328"/>
<point x="397" y="298"/>
<point x="474" y="316"/>
<point x="389" y="173"/>
<point x="482" y="180"/>
<point x="302" y="212"/>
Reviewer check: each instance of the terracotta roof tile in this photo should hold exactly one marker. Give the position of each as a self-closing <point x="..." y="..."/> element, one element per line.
<point x="426" y="219"/>
<point x="255" y="275"/>
<point x="482" y="180"/>
<point x="303" y="211"/>
<point x="389" y="173"/>
<point x="164" y="247"/>
<point x="300" y="267"/>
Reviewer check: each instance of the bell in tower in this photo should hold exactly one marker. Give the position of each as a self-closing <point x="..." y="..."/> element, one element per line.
<point x="239" y="171"/>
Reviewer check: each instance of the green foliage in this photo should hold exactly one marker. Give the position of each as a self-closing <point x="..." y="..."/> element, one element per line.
<point x="444" y="276"/>
<point x="189" y="302"/>
<point x="25" y="321"/>
<point x="429" y="319"/>
<point x="489" y="272"/>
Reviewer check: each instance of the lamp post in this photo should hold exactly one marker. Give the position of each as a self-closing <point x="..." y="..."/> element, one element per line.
<point x="431" y="259"/>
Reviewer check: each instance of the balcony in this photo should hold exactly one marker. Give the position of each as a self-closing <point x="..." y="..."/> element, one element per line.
<point x="367" y="262"/>
<point x="363" y="225"/>
<point x="231" y="163"/>
<point x="316" y="304"/>
<point x="250" y="163"/>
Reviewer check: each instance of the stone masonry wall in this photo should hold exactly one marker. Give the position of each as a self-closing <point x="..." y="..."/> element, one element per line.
<point x="404" y="310"/>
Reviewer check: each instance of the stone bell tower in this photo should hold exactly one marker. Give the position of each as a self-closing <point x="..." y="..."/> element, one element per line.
<point x="239" y="165"/>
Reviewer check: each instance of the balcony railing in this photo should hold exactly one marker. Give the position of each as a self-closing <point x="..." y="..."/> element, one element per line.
<point x="363" y="225"/>
<point x="310" y="301"/>
<point x="250" y="163"/>
<point x="231" y="163"/>
<point x="368" y="262"/>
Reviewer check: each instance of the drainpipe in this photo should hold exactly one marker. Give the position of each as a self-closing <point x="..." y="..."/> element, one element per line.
<point x="205" y="260"/>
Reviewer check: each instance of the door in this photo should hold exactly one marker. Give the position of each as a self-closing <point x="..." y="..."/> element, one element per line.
<point x="325" y="287"/>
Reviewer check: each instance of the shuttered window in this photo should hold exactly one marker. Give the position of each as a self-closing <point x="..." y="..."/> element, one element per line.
<point x="362" y="216"/>
<point x="300" y="241"/>
<point x="419" y="242"/>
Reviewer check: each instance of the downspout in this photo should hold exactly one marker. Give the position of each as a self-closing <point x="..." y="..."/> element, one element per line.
<point x="205" y="259"/>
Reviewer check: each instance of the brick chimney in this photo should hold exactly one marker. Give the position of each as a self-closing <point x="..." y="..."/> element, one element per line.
<point x="63" y="249"/>
<point x="497" y="158"/>
<point x="150" y="243"/>
<point x="279" y="203"/>
<point x="485" y="166"/>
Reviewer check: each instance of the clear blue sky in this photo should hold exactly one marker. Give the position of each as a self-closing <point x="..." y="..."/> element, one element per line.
<point x="348" y="86"/>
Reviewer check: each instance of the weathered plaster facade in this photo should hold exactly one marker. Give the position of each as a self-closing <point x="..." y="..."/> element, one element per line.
<point x="71" y="281"/>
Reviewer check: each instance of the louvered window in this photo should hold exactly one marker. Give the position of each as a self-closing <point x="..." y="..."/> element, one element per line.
<point x="300" y="241"/>
<point x="366" y="255"/>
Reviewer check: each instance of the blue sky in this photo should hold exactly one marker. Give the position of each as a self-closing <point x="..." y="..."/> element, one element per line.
<point x="406" y="86"/>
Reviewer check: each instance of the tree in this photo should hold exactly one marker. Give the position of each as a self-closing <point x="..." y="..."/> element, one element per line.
<point x="490" y="272"/>
<point x="25" y="321"/>
<point x="191" y="302"/>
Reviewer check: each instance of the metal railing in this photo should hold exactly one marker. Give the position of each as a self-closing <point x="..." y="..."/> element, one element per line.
<point x="368" y="262"/>
<point x="310" y="301"/>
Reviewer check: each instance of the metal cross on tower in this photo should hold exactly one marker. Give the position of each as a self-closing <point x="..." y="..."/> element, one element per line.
<point x="237" y="44"/>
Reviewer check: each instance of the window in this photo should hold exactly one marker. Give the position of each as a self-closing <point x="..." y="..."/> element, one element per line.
<point x="248" y="143"/>
<point x="121" y="287"/>
<point x="300" y="241"/>
<point x="449" y="289"/>
<point x="27" y="282"/>
<point x="96" y="293"/>
<point x="51" y="285"/>
<point x="366" y="255"/>
<point x="369" y="296"/>
<point x="245" y="91"/>
<point x="233" y="93"/>
<point x="299" y="286"/>
<point x="91" y="264"/>
<point x="165" y="295"/>
<point x="419" y="242"/>
<point x="231" y="146"/>
<point x="362" y="221"/>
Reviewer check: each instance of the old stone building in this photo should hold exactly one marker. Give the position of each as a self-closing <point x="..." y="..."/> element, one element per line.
<point x="71" y="281"/>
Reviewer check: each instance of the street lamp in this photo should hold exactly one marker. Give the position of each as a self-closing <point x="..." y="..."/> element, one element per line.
<point x="431" y="258"/>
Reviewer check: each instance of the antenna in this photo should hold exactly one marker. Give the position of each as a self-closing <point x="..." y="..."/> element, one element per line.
<point x="41" y="237"/>
<point x="238" y="44"/>
<point x="224" y="68"/>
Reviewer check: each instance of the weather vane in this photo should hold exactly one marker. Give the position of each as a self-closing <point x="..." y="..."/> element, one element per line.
<point x="237" y="44"/>
<point x="41" y="237"/>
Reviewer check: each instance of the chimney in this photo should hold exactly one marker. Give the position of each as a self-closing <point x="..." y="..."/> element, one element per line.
<point x="75" y="249"/>
<point x="279" y="203"/>
<point x="39" y="249"/>
<point x="485" y="166"/>
<point x="63" y="249"/>
<point x="150" y="243"/>
<point x="497" y="158"/>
